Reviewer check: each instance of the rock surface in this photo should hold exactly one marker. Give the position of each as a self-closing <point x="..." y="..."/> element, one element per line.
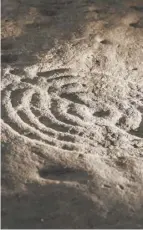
<point x="72" y="114"/>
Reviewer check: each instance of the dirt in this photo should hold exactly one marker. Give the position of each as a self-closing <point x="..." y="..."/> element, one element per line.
<point x="72" y="114"/>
